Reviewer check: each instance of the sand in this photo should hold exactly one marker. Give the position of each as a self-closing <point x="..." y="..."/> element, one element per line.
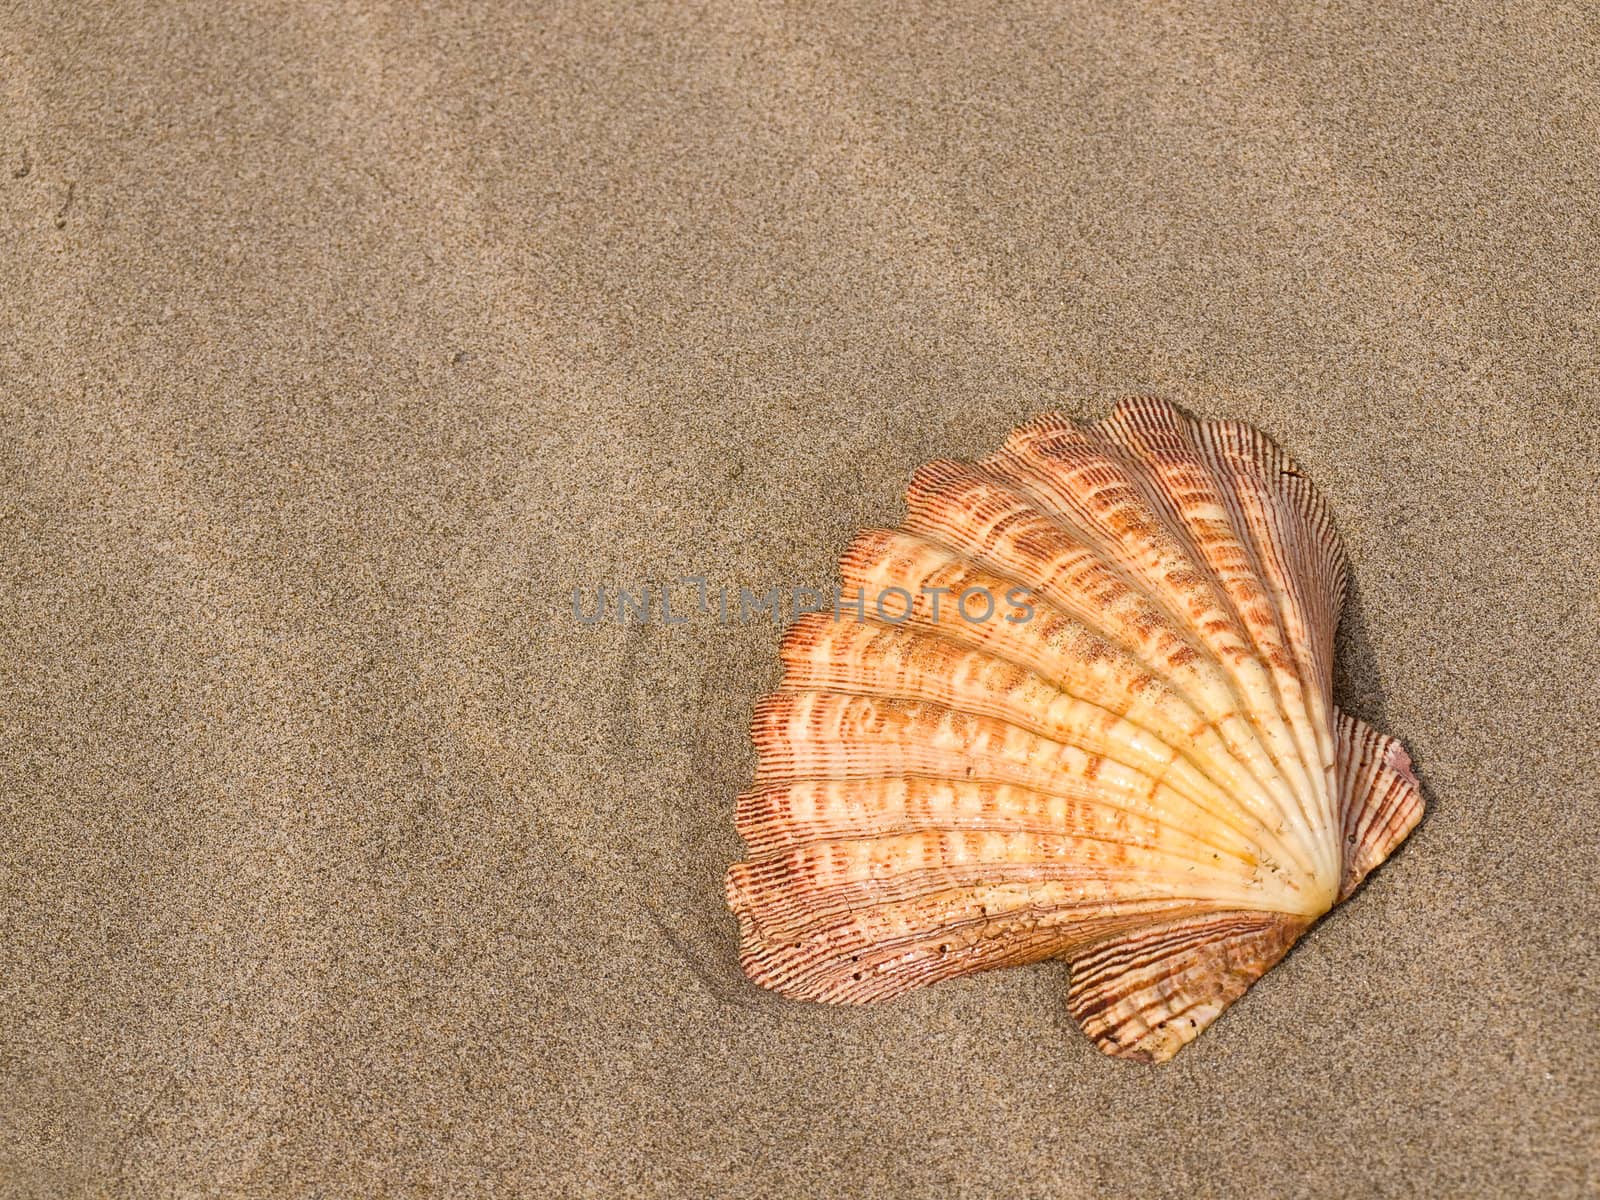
<point x="339" y="345"/>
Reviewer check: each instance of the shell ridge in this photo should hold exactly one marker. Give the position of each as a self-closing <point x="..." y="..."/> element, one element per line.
<point x="766" y="845"/>
<point x="1381" y="800"/>
<point x="990" y="753"/>
<point x="1147" y="994"/>
<point x="1051" y="737"/>
<point x="851" y="961"/>
<point x="1295" y="519"/>
<point x="762" y="821"/>
<point x="996" y="842"/>
<point x="1238" y="737"/>
<point x="1274" y="740"/>
<point x="1240" y="784"/>
<point x="1284" y="587"/>
<point x="798" y="887"/>
<point x="818" y="637"/>
<point x="1234" y="440"/>
<point x="1147" y="478"/>
<point x="1301" y="556"/>
<point x="1188" y="442"/>
<point x="1162" y="442"/>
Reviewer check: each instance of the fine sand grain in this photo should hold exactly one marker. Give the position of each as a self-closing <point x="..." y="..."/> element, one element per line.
<point x="339" y="344"/>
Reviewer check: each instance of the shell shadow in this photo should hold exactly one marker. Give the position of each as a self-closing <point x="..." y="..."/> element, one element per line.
<point x="1357" y="680"/>
<point x="1358" y="688"/>
<point x="689" y="910"/>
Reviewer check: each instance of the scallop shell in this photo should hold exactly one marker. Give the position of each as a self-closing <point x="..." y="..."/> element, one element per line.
<point x="1134" y="763"/>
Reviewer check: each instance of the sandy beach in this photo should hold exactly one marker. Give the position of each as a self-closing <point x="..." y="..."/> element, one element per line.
<point x="340" y="345"/>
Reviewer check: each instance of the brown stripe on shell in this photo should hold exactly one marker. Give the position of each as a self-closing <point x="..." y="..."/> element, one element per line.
<point x="1380" y="798"/>
<point x="1149" y="993"/>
